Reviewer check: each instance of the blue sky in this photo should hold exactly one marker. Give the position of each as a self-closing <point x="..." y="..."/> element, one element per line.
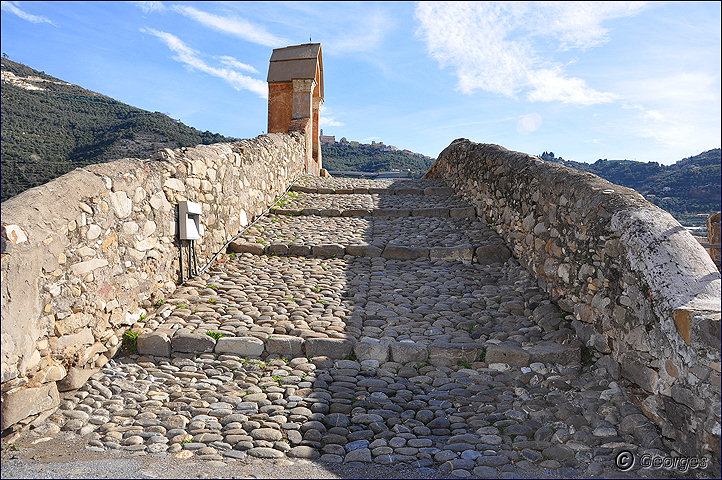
<point x="585" y="80"/>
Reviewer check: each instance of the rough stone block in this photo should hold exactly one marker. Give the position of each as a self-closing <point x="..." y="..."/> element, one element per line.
<point x="364" y="250"/>
<point x="285" y="345"/>
<point x="303" y="451"/>
<point x="278" y="248"/>
<point x="372" y="350"/>
<point x="302" y="189"/>
<point x="504" y="353"/>
<point x="299" y="250"/>
<point x="330" y="212"/>
<point x="461" y="253"/>
<point x="19" y="403"/>
<point x="490" y="254"/>
<point x="76" y="378"/>
<point x="356" y="212"/>
<point x="246" y="247"/>
<point x="462" y="212"/>
<point x="286" y="211"/>
<point x="243" y="346"/>
<point x="408" y="352"/>
<point x="70" y="342"/>
<point x="192" y="343"/>
<point x="430" y="212"/>
<point x="445" y="354"/>
<point x="439" y="191"/>
<point x="643" y="376"/>
<point x="398" y="252"/>
<point x="391" y="212"/>
<point x="409" y="191"/>
<point x="554" y="353"/>
<point x="154" y="343"/>
<point x="329" y="250"/>
<point x="331" y="347"/>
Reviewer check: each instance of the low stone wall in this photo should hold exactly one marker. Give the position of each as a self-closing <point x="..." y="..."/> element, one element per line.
<point x="644" y="294"/>
<point x="87" y="255"/>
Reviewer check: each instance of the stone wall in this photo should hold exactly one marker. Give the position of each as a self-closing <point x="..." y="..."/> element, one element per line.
<point x="644" y="294"/>
<point x="87" y="255"/>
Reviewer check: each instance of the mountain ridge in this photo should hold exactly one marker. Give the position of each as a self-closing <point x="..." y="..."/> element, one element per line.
<point x="50" y="127"/>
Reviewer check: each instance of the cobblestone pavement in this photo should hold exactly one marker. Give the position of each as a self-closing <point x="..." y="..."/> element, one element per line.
<point x="428" y="365"/>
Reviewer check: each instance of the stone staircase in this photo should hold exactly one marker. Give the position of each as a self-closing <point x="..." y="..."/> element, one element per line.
<point x="364" y="321"/>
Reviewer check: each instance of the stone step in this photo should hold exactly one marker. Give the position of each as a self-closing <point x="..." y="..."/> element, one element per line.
<point x="500" y="357"/>
<point x="365" y="186"/>
<point x="373" y="205"/>
<point x="486" y="254"/>
<point x="434" y="238"/>
<point x="289" y="306"/>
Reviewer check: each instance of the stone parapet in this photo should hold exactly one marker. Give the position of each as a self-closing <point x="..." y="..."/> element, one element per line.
<point x="87" y="255"/>
<point x="644" y="294"/>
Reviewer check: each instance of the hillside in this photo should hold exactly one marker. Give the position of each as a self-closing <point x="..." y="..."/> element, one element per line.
<point x="366" y="159"/>
<point x="686" y="189"/>
<point x="50" y="127"/>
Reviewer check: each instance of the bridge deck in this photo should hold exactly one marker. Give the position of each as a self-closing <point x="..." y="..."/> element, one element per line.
<point x="375" y="339"/>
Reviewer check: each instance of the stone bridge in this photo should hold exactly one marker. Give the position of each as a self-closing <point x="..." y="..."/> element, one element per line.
<point x="500" y="318"/>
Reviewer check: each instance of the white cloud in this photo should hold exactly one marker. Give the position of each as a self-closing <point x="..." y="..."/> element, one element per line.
<point x="191" y="58"/>
<point x="233" y="63"/>
<point x="233" y="25"/>
<point x="579" y="24"/>
<point x="326" y="120"/>
<point x="490" y="45"/>
<point x="529" y="123"/>
<point x="150" y="7"/>
<point x="551" y="85"/>
<point x="13" y="7"/>
<point x="677" y="110"/>
<point x="366" y="33"/>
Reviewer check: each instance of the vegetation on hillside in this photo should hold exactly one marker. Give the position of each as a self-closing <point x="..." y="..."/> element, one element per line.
<point x="46" y="133"/>
<point x="686" y="189"/>
<point x="366" y="159"/>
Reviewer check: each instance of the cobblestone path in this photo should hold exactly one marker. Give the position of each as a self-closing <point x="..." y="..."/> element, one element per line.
<point x="364" y="322"/>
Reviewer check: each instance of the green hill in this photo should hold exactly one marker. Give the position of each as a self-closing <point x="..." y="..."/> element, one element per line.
<point x="366" y="159"/>
<point x="686" y="189"/>
<point x="49" y="132"/>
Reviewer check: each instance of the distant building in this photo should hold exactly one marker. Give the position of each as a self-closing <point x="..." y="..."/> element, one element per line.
<point x="325" y="139"/>
<point x="354" y="144"/>
<point x="343" y="141"/>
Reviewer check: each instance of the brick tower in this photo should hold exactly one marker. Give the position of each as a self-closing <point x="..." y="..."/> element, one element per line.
<point x="295" y="94"/>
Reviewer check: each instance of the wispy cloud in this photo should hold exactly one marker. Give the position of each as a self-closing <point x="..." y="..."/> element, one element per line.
<point x="366" y="33"/>
<point x="491" y="45"/>
<point x="236" y="26"/>
<point x="192" y="59"/>
<point x="13" y="7"/>
<point x="150" y="7"/>
<point x="579" y="24"/>
<point x="677" y="109"/>
<point x="233" y="63"/>
<point x="326" y="119"/>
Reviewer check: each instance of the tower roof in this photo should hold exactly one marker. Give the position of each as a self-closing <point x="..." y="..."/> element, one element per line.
<point x="297" y="61"/>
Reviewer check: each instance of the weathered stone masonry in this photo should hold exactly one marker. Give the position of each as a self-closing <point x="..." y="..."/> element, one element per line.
<point x="86" y="255"/>
<point x="644" y="294"/>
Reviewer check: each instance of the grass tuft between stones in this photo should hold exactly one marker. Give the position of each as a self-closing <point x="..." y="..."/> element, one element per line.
<point x="216" y="335"/>
<point x="130" y="341"/>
